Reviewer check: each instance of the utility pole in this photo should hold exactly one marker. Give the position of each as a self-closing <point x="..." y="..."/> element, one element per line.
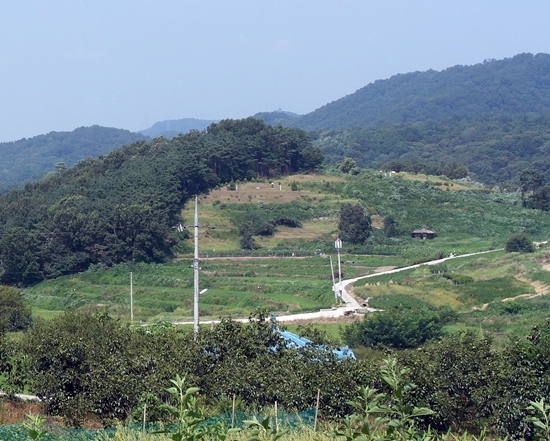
<point x="196" y="271"/>
<point x="131" y="300"/>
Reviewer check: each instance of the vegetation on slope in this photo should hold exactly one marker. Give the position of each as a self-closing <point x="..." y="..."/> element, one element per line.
<point x="466" y="218"/>
<point x="517" y="85"/>
<point x="31" y="159"/>
<point x="492" y="148"/>
<point x="123" y="206"/>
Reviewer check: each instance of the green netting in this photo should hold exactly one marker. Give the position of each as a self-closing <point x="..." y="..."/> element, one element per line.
<point x="16" y="432"/>
<point x="292" y="420"/>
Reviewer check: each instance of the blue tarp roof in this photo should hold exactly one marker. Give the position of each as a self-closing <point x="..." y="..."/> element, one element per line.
<point x="300" y="342"/>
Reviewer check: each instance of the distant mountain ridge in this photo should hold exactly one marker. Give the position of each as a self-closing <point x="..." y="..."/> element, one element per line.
<point x="517" y="85"/>
<point x="511" y="87"/>
<point x="173" y="127"/>
<point x="276" y="117"/>
<point x="32" y="158"/>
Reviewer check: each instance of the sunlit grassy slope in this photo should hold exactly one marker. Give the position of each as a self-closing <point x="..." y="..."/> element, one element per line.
<point x="467" y="219"/>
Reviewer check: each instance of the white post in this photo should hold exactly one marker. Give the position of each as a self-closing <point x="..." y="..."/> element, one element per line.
<point x="338" y="245"/>
<point x="333" y="282"/>
<point x="131" y="300"/>
<point x="196" y="271"/>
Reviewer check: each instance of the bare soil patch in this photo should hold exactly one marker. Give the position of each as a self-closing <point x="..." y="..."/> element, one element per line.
<point x="15" y="411"/>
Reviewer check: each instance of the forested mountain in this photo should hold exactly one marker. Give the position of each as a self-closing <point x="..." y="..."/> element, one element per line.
<point x="515" y="85"/>
<point x="490" y="91"/>
<point x="32" y="158"/>
<point x="123" y="206"/>
<point x="495" y="148"/>
<point x="174" y="127"/>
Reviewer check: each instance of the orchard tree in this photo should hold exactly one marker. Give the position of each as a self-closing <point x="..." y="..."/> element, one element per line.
<point x="520" y="242"/>
<point x="347" y="165"/>
<point x="390" y="227"/>
<point x="540" y="199"/>
<point x="354" y="224"/>
<point x="397" y="328"/>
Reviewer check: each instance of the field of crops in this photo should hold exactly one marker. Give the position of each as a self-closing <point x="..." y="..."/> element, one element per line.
<point x="290" y="271"/>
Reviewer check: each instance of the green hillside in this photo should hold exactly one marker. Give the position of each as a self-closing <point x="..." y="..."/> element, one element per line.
<point x="517" y="85"/>
<point x="466" y="218"/>
<point x="491" y="117"/>
<point x="124" y="206"/>
<point x="494" y="148"/>
<point x="174" y="127"/>
<point x="31" y="159"/>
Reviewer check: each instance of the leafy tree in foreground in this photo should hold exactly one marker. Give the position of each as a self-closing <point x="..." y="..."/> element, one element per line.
<point x="524" y="377"/>
<point x="520" y="242"/>
<point x="457" y="376"/>
<point x="354" y="224"/>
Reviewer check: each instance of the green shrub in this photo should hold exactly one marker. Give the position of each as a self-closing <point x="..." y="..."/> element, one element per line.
<point x="15" y="313"/>
<point x="458" y="279"/>
<point x="396" y="328"/>
<point x="520" y="242"/>
<point x="457" y="376"/>
<point x="437" y="269"/>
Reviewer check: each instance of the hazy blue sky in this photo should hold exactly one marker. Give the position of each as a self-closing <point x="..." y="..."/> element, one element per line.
<point x="130" y="63"/>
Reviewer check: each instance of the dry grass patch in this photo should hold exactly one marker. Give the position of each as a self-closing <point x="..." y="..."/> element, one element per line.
<point x="263" y="192"/>
<point x="434" y="296"/>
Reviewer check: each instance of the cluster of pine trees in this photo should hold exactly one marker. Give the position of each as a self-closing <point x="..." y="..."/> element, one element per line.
<point x="123" y="205"/>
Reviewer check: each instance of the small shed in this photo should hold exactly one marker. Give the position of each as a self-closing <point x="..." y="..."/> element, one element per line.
<point x="424" y="233"/>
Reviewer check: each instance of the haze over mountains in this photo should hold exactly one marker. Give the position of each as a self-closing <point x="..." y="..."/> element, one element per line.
<point x="422" y="116"/>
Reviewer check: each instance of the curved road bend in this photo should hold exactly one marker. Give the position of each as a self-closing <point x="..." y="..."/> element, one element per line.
<point x="351" y="302"/>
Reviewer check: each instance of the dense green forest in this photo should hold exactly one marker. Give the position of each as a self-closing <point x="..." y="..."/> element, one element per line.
<point x="123" y="205"/>
<point x="81" y="365"/>
<point x="517" y="85"/>
<point x="31" y="159"/>
<point x="494" y="148"/>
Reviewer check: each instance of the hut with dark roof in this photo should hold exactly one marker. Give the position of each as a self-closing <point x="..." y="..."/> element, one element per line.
<point x="423" y="233"/>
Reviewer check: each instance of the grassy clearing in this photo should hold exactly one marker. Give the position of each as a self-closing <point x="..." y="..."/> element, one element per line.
<point x="503" y="298"/>
<point x="466" y="218"/>
<point x="492" y="281"/>
<point x="442" y="182"/>
<point x="236" y="286"/>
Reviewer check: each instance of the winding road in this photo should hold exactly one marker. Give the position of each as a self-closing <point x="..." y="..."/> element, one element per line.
<point x="351" y="303"/>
